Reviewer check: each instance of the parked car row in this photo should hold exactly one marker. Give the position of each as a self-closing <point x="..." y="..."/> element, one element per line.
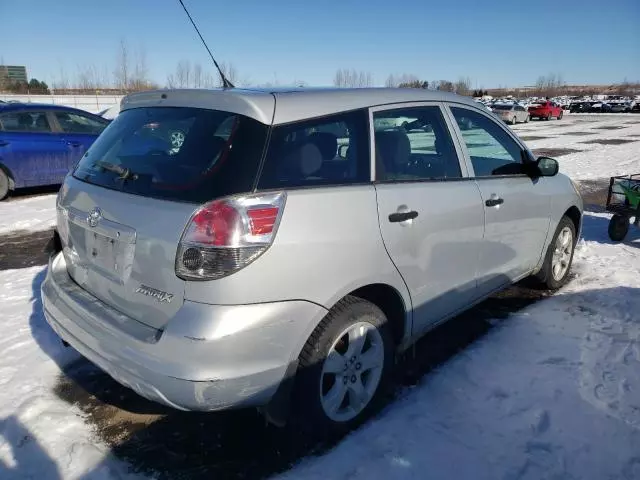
<point x="604" y="107"/>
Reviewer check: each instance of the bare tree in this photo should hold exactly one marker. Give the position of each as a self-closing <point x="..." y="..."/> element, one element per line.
<point x="549" y="85"/>
<point x="197" y="76"/>
<point x="139" y="78"/>
<point x="187" y="75"/>
<point x="230" y="72"/>
<point x="391" y="81"/>
<point x="352" y="78"/>
<point x="122" y="70"/>
<point x="61" y="81"/>
<point x="463" y="86"/>
<point x="445" y="86"/>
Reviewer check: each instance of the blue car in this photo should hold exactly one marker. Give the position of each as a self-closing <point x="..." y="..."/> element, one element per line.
<point x="39" y="144"/>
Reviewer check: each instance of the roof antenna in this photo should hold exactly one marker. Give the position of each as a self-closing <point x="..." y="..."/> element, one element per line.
<point x="225" y="83"/>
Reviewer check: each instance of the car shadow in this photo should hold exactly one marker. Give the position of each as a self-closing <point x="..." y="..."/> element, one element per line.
<point x="30" y="459"/>
<point x="595" y="229"/>
<point x="21" y="193"/>
<point x="42" y="333"/>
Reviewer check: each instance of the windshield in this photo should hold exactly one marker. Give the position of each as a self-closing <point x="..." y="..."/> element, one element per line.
<point x="185" y="154"/>
<point x="502" y="107"/>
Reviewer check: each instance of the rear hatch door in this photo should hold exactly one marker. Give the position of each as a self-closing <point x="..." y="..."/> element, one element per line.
<point x="122" y="213"/>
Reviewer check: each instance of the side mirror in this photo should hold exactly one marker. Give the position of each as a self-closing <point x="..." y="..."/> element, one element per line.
<point x="547" y="166"/>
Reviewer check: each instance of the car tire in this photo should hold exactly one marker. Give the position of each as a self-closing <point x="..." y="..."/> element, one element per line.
<point x="514" y="120"/>
<point x="559" y="257"/>
<point x="404" y="126"/>
<point x="548" y="116"/>
<point x="560" y="116"/>
<point x="618" y="227"/>
<point x="331" y="393"/>
<point x="526" y="120"/>
<point x="4" y="185"/>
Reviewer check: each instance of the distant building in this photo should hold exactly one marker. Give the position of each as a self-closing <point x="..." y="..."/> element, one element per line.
<point x="12" y="74"/>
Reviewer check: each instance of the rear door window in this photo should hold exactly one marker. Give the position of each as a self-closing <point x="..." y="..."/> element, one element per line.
<point x="77" y="123"/>
<point x="421" y="150"/>
<point x="332" y="150"/>
<point x="184" y="154"/>
<point x="25" y="121"/>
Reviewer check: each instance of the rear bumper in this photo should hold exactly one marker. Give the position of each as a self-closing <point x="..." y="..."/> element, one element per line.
<point x="208" y="357"/>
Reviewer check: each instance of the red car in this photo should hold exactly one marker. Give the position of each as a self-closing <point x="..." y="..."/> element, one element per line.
<point x="545" y="110"/>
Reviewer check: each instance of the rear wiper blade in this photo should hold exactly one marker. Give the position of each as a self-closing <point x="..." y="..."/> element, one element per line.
<point x="123" y="172"/>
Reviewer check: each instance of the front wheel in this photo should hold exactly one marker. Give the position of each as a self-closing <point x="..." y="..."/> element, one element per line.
<point x="526" y="120"/>
<point x="4" y="185"/>
<point x="514" y="120"/>
<point x="343" y="367"/>
<point x="618" y="227"/>
<point x="559" y="257"/>
<point x="560" y="116"/>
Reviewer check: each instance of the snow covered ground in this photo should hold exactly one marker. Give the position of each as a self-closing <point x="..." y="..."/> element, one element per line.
<point x="551" y="392"/>
<point x="592" y="161"/>
<point x="41" y="436"/>
<point x="35" y="213"/>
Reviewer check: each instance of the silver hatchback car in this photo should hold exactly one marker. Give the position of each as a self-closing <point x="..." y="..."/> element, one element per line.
<point x="293" y="242"/>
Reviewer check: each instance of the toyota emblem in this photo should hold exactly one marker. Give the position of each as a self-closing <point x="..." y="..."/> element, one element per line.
<point x="94" y="217"/>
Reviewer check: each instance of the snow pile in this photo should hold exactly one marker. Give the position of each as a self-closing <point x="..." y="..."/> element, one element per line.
<point x="41" y="436"/>
<point x="553" y="392"/>
<point x="36" y="213"/>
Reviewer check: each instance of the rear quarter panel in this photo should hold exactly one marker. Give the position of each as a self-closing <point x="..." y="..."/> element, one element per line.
<point x="327" y="245"/>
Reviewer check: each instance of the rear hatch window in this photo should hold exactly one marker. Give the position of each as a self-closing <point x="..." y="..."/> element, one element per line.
<point x="183" y="154"/>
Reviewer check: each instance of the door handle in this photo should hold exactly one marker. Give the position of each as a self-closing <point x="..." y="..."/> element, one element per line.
<point x="74" y="144"/>
<point x="402" y="216"/>
<point x="494" y="202"/>
<point x="3" y="143"/>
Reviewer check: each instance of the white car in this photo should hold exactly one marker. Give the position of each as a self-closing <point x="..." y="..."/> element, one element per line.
<point x="111" y="112"/>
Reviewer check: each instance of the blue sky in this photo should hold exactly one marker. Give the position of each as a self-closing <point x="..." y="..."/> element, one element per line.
<point x="494" y="42"/>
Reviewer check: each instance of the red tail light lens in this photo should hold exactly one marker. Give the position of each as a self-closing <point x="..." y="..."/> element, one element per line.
<point x="226" y="235"/>
<point x="262" y="220"/>
<point x="214" y="224"/>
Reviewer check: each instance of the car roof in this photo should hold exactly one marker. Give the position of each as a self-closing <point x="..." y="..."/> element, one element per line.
<point x="293" y="104"/>
<point x="7" y="107"/>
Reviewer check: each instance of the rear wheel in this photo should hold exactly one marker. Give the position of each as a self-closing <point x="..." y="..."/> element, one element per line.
<point x="4" y="185"/>
<point x="343" y="368"/>
<point x="557" y="263"/>
<point x="560" y="116"/>
<point x="618" y="227"/>
<point x="526" y="120"/>
<point x="514" y="120"/>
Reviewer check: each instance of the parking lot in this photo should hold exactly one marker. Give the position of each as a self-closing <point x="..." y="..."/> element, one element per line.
<point x="577" y="377"/>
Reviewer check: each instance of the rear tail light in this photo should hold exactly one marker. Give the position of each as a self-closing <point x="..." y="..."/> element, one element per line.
<point x="228" y="234"/>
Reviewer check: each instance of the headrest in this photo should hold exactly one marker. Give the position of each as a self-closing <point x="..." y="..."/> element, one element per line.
<point x="305" y="159"/>
<point x="393" y="146"/>
<point x="326" y="142"/>
<point x="25" y="119"/>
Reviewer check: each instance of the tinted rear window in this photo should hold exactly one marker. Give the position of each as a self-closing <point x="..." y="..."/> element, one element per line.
<point x="185" y="154"/>
<point x="502" y="107"/>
